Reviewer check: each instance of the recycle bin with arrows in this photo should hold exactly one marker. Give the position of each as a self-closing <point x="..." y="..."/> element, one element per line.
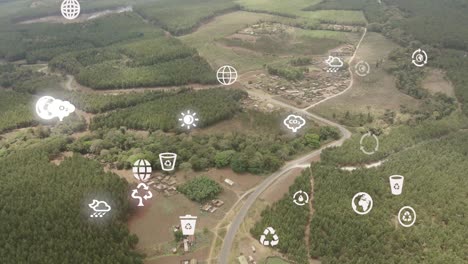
<point x="396" y="184"/>
<point x="188" y="223"/>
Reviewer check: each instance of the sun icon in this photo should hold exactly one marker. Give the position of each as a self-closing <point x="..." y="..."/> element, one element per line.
<point x="188" y="119"/>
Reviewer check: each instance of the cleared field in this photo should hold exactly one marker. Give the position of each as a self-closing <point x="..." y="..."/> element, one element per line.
<point x="205" y="41"/>
<point x="292" y="7"/>
<point x="376" y="92"/>
<point x="436" y="82"/>
<point x="295" y="8"/>
<point x="336" y="16"/>
<point x="275" y="261"/>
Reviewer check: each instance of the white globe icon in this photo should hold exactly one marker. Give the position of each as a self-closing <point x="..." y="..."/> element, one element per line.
<point x="226" y="75"/>
<point x="70" y="9"/>
<point x="142" y="170"/>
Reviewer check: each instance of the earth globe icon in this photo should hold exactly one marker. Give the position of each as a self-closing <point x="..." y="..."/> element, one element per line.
<point x="226" y="75"/>
<point x="70" y="9"/>
<point x="142" y="170"/>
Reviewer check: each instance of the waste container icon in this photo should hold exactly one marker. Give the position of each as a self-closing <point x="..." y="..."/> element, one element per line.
<point x="188" y="223"/>
<point x="168" y="161"/>
<point x="396" y="184"/>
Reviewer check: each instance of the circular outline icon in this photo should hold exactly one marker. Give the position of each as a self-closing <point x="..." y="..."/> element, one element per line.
<point x="417" y="62"/>
<point x="295" y="199"/>
<point x="354" y="205"/>
<point x="358" y="66"/>
<point x="368" y="134"/>
<point x="408" y="208"/>
<point x="70" y="12"/>
<point x="221" y="73"/>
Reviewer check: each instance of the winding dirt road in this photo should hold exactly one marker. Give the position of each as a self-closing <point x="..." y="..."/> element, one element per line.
<point x="301" y="162"/>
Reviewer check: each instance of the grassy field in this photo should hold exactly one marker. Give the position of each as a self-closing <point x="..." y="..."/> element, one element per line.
<point x="205" y="41"/>
<point x="276" y="261"/>
<point x="376" y="92"/>
<point x="292" y="7"/>
<point x="295" y="8"/>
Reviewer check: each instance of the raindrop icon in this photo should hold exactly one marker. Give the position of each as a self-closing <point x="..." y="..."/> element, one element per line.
<point x="301" y="199"/>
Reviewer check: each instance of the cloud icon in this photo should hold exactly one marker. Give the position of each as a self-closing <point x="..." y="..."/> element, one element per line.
<point x="294" y="122"/>
<point x="334" y="62"/>
<point x="99" y="206"/>
<point x="48" y="108"/>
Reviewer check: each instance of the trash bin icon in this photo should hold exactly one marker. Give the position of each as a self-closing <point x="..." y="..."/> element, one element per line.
<point x="188" y="223"/>
<point x="396" y="184"/>
<point x="168" y="161"/>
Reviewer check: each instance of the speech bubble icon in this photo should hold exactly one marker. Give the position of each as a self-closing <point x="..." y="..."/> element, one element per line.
<point x="294" y="122"/>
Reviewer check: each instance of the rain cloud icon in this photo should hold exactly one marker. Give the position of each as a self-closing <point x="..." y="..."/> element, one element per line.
<point x="100" y="208"/>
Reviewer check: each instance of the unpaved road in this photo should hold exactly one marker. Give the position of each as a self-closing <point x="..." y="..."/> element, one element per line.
<point x="300" y="162"/>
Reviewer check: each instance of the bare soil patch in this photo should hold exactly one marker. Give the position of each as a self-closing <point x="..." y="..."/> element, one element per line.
<point x="436" y="82"/>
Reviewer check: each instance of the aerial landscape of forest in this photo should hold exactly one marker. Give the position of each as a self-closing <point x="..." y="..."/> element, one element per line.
<point x="147" y="78"/>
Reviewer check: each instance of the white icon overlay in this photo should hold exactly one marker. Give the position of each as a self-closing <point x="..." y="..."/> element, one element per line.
<point x="188" y="119"/>
<point x="334" y="64"/>
<point x="226" y="75"/>
<point x="294" y="122"/>
<point x="48" y="108"/>
<point x="100" y="208"/>
<point x="376" y="148"/>
<point x="272" y="232"/>
<point x="136" y="193"/>
<point x="396" y="184"/>
<point x="419" y="58"/>
<point x="362" y="68"/>
<point x="168" y="161"/>
<point x="407" y="216"/>
<point x="301" y="198"/>
<point x="142" y="170"/>
<point x="363" y="205"/>
<point x="70" y="9"/>
<point x="188" y="224"/>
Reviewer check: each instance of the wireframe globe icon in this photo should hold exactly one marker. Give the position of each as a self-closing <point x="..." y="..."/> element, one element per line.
<point x="70" y="9"/>
<point x="226" y="75"/>
<point x="142" y="170"/>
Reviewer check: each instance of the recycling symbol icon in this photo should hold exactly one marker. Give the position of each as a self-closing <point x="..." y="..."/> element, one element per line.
<point x="396" y="186"/>
<point x="188" y="226"/>
<point x="136" y="194"/>
<point x="407" y="217"/>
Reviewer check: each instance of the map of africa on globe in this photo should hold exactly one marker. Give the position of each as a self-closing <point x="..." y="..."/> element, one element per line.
<point x="362" y="203"/>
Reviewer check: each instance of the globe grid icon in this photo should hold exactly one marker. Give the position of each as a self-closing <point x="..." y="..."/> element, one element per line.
<point x="70" y="9"/>
<point x="142" y="170"/>
<point x="226" y="75"/>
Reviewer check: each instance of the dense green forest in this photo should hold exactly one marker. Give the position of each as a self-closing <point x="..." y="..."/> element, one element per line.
<point x="15" y="110"/>
<point x="435" y="186"/>
<point x="27" y="80"/>
<point x="179" y="17"/>
<point x="43" y="41"/>
<point x="45" y="214"/>
<point x="244" y="152"/>
<point x="115" y="51"/>
<point x="289" y="220"/>
<point x="393" y="140"/>
<point x="154" y="62"/>
<point x="211" y="105"/>
<point x="200" y="189"/>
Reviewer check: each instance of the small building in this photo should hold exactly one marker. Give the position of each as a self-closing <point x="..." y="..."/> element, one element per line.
<point x="217" y="203"/>
<point x="254" y="249"/>
<point x="229" y="182"/>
